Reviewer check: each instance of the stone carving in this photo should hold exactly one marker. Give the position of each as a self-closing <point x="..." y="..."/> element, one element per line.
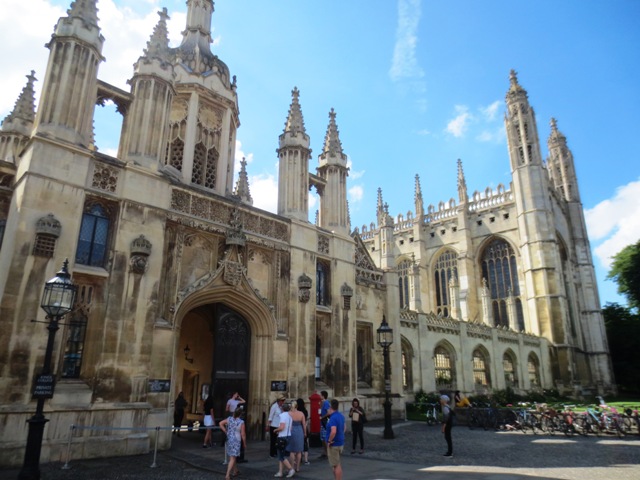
<point x="304" y="288"/>
<point x="49" y="225"/>
<point x="105" y="177"/>
<point x="140" y="251"/>
<point x="323" y="244"/>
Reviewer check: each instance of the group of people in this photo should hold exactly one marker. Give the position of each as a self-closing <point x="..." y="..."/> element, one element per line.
<point x="289" y="432"/>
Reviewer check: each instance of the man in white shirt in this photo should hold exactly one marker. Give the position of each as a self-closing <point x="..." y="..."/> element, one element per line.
<point x="234" y="401"/>
<point x="274" y="422"/>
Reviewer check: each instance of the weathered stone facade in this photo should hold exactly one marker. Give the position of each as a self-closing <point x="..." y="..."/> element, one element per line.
<point x="183" y="285"/>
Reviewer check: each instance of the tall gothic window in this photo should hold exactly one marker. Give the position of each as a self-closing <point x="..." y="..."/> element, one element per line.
<point x="407" y="363"/>
<point x="533" y="368"/>
<point x="75" y="333"/>
<point x="3" y="224"/>
<point x="444" y="368"/>
<point x="364" y="340"/>
<point x="404" y="268"/>
<point x="500" y="270"/>
<point x="93" y="238"/>
<point x="510" y="372"/>
<point x="446" y="268"/>
<point x="322" y="284"/>
<point x="481" y="375"/>
<point x="318" y="353"/>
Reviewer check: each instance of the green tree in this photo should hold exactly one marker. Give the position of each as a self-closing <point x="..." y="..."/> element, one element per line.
<point x="623" y="333"/>
<point x="625" y="271"/>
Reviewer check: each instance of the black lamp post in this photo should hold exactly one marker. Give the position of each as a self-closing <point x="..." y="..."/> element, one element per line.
<point x="385" y="339"/>
<point x="57" y="300"/>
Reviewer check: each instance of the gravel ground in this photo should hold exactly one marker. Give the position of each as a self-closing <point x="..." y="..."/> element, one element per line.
<point x="415" y="453"/>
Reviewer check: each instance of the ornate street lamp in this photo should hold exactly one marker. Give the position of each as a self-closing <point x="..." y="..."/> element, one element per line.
<point x="385" y="339"/>
<point x="57" y="300"/>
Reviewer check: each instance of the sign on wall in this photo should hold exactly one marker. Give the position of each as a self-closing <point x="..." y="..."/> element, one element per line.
<point x="159" y="386"/>
<point x="278" y="385"/>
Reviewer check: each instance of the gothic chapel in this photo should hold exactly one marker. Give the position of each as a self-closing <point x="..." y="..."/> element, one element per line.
<point x="184" y="285"/>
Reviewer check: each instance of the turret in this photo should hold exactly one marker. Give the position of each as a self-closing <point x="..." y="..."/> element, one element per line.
<point x="385" y="227"/>
<point x="417" y="198"/>
<point x="70" y="85"/>
<point x="146" y="124"/>
<point x="293" y="155"/>
<point x="548" y="315"/>
<point x="462" y="185"/>
<point x="18" y="125"/>
<point x="204" y="114"/>
<point x="333" y="169"/>
<point x="561" y="167"/>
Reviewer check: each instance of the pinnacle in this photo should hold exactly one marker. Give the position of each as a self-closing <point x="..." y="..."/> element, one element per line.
<point x="332" y="144"/>
<point x="158" y="44"/>
<point x="295" y="122"/>
<point x="85" y="9"/>
<point x="242" y="185"/>
<point x="24" y="108"/>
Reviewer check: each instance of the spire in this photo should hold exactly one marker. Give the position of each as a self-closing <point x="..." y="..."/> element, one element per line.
<point x="242" y="185"/>
<point x="382" y="213"/>
<point x="23" y="113"/>
<point x="158" y="44"/>
<point x="332" y="145"/>
<point x="516" y="92"/>
<point x="194" y="53"/>
<point x="462" y="184"/>
<point x="295" y="122"/>
<point x="418" y="198"/>
<point x="561" y="165"/>
<point x="85" y="10"/>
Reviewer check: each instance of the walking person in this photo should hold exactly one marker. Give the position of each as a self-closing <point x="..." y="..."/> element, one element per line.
<point x="357" y="425"/>
<point x="324" y="417"/>
<point x="234" y="428"/>
<point x="298" y="436"/>
<point x="178" y="412"/>
<point x="447" y="423"/>
<point x="335" y="440"/>
<point x="209" y="421"/>
<point x="235" y="401"/>
<point x="284" y="432"/>
<point x="274" y="423"/>
<point x="305" y="452"/>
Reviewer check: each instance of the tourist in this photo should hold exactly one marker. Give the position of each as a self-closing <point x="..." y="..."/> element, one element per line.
<point x="209" y="421"/>
<point x="274" y="423"/>
<point x="324" y="416"/>
<point x="298" y="434"/>
<point x="178" y="412"/>
<point x="305" y="452"/>
<point x="335" y="438"/>
<point x="447" y="423"/>
<point x="284" y="432"/>
<point x="234" y="428"/>
<point x="357" y="424"/>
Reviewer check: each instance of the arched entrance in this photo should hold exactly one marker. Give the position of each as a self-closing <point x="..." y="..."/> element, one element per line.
<point x="218" y="356"/>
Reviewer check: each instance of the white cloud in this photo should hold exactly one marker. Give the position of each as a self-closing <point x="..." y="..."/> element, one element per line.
<point x="424" y="132"/>
<point x="614" y="223"/>
<point x="264" y="191"/>
<point x="354" y="174"/>
<point x="490" y="112"/>
<point x="404" y="64"/>
<point x="458" y="126"/>
<point x="355" y="194"/>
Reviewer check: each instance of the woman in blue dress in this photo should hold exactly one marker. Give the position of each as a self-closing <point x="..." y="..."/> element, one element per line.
<point x="298" y="433"/>
<point x="234" y="429"/>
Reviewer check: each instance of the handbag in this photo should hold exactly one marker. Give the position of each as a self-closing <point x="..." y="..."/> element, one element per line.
<point x="281" y="443"/>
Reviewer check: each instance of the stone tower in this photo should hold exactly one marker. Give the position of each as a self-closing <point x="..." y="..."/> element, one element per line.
<point x="333" y="169"/>
<point x="204" y="112"/>
<point x="293" y="170"/>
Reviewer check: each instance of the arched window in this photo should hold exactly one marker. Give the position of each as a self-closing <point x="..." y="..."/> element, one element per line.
<point x="500" y="270"/>
<point x="481" y="375"/>
<point x="533" y="368"/>
<point x="75" y="333"/>
<point x="404" y="268"/>
<point x="510" y="372"/>
<point x="445" y="268"/>
<point x="3" y="224"/>
<point x="407" y="363"/>
<point x="322" y="284"/>
<point x="318" y="353"/>
<point x="444" y="368"/>
<point x="93" y="238"/>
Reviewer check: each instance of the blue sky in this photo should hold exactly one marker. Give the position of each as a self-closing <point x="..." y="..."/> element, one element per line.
<point x="416" y="85"/>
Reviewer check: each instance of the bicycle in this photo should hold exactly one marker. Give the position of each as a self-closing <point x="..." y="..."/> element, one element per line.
<point x="431" y="414"/>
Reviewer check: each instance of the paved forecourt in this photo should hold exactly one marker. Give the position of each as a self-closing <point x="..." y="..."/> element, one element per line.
<point x="414" y="453"/>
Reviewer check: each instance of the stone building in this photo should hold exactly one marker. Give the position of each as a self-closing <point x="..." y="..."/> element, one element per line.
<point x="184" y="285"/>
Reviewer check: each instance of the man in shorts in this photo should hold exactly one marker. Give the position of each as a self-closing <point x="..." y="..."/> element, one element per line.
<point x="324" y="417"/>
<point x="335" y="441"/>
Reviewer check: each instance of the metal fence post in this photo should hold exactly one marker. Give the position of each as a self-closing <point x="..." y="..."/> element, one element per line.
<point x="66" y="465"/>
<point x="155" y="449"/>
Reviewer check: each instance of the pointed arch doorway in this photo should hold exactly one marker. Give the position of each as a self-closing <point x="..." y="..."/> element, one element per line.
<point x="219" y="340"/>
